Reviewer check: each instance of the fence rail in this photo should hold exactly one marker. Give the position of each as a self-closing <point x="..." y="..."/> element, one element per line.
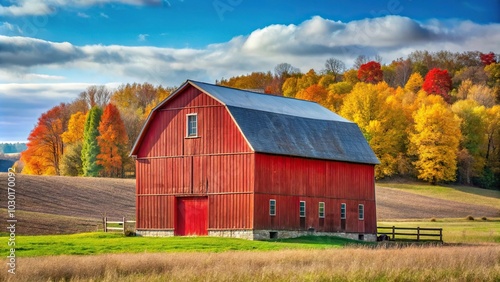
<point x="427" y="233"/>
<point x="122" y="225"/>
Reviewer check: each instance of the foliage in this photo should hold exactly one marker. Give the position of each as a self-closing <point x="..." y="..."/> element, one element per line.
<point x="76" y="125"/>
<point x="90" y="147"/>
<point x="370" y="72"/>
<point x="45" y="146"/>
<point x="488" y="59"/>
<point x="435" y="142"/>
<point x="112" y="141"/>
<point x="71" y="163"/>
<point x="314" y="93"/>
<point x="414" y="83"/>
<point x="438" y="82"/>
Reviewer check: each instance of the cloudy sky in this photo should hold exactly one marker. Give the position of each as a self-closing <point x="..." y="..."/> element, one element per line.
<point x="51" y="50"/>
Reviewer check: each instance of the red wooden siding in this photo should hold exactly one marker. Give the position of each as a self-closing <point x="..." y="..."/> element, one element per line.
<point x="217" y="132"/>
<point x="292" y="179"/>
<point x="191" y="216"/>
<point x="219" y="164"/>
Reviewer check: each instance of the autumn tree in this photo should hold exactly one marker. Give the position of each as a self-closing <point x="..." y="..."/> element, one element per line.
<point x="45" y="145"/>
<point x="487" y="59"/>
<point x="71" y="163"/>
<point x="435" y="142"/>
<point x="370" y="72"/>
<point x="438" y="82"/>
<point x="112" y="142"/>
<point x="351" y="76"/>
<point x="414" y="83"/>
<point x="90" y="147"/>
<point x="314" y="93"/>
<point x="473" y="126"/>
<point x="336" y="94"/>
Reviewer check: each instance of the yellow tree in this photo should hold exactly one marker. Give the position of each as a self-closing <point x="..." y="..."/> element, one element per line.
<point x="378" y="111"/>
<point x="435" y="142"/>
<point x="71" y="163"/>
<point x="414" y="83"/>
<point x="289" y="87"/>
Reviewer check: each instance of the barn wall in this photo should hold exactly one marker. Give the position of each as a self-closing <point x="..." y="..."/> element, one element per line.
<point x="218" y="164"/>
<point x="292" y="179"/>
<point x="166" y="135"/>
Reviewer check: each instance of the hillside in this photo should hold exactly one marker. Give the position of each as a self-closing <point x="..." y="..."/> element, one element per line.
<point x="59" y="204"/>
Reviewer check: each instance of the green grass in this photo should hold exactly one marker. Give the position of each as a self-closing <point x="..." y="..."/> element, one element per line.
<point x="458" y="230"/>
<point x="462" y="194"/>
<point x="100" y="243"/>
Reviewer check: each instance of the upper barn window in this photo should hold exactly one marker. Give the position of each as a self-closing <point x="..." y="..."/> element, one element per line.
<point x="192" y="125"/>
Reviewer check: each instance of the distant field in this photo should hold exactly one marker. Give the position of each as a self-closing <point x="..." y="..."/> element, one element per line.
<point x="457" y="230"/>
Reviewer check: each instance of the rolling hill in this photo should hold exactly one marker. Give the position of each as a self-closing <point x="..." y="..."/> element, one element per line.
<point x="59" y="204"/>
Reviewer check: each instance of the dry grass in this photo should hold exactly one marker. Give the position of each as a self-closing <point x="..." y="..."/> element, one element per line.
<point x="458" y="263"/>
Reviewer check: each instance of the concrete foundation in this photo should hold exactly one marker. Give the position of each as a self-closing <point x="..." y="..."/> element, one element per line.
<point x="264" y="234"/>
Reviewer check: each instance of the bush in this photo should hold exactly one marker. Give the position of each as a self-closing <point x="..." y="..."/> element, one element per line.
<point x="469" y="217"/>
<point x="433" y="219"/>
<point x="484" y="218"/>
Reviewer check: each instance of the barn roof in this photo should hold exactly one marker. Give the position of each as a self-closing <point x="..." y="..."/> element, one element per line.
<point x="286" y="126"/>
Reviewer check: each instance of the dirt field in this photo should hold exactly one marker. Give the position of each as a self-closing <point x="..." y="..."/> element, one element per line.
<point x="59" y="204"/>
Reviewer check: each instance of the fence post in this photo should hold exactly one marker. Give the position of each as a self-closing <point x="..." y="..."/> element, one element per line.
<point x="105" y="224"/>
<point x="441" y="234"/>
<point x="124" y="225"/>
<point x="418" y="233"/>
<point x="393" y="231"/>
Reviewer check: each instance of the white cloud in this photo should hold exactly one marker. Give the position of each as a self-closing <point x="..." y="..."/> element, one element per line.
<point x="104" y="15"/>
<point x="19" y="8"/>
<point x="82" y="15"/>
<point x="8" y="28"/>
<point x="142" y="37"/>
<point x="306" y="45"/>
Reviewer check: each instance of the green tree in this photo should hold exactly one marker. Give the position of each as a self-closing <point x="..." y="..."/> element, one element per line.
<point x="435" y="142"/>
<point x="90" y="148"/>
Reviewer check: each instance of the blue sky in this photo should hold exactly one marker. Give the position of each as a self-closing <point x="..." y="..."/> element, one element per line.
<point x="51" y="50"/>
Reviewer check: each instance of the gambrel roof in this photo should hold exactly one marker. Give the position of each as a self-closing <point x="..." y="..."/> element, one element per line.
<point x="285" y="126"/>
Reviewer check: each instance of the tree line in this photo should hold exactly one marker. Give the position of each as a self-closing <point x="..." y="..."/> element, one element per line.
<point x="433" y="116"/>
<point x="92" y="135"/>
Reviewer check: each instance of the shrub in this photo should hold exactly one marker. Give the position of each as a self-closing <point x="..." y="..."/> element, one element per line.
<point x="484" y="218"/>
<point x="433" y="219"/>
<point x="469" y="217"/>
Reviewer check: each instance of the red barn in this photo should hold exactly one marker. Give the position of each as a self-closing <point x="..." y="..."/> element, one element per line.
<point x="218" y="161"/>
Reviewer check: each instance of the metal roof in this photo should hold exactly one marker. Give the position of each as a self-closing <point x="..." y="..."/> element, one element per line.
<point x="286" y="126"/>
<point x="269" y="103"/>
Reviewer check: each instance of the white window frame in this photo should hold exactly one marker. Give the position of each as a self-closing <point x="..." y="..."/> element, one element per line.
<point x="321" y="206"/>
<point x="361" y="212"/>
<point x="343" y="210"/>
<point x="272" y="207"/>
<point x="300" y="212"/>
<point x="188" y="127"/>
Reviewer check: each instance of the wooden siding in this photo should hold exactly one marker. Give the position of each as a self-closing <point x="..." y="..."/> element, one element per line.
<point x="290" y="180"/>
<point x="217" y="132"/>
<point x="218" y="164"/>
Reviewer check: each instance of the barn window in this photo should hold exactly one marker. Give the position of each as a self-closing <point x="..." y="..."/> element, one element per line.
<point x="302" y="209"/>
<point x="321" y="211"/>
<point x="342" y="211"/>
<point x="272" y="207"/>
<point x="361" y="212"/>
<point x="192" y="125"/>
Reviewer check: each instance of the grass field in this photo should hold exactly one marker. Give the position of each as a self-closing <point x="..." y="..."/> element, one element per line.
<point x="458" y="230"/>
<point x="101" y="243"/>
<point x="461" y="194"/>
<point x="464" y="263"/>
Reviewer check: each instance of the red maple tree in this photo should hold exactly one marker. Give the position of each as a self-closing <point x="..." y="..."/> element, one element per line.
<point x="487" y="59"/>
<point x="370" y="72"/>
<point x="438" y="82"/>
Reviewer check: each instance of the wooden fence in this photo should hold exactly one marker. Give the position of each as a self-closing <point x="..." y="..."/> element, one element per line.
<point x="412" y="233"/>
<point x="116" y="225"/>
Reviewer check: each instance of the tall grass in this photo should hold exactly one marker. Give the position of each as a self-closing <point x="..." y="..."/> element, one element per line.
<point x="459" y="263"/>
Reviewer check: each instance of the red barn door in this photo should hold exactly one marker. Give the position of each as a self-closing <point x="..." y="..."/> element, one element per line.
<point x="192" y="216"/>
